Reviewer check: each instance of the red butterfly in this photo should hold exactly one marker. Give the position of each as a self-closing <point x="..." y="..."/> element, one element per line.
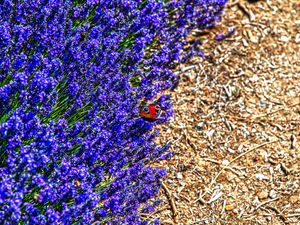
<point x="150" y="113"/>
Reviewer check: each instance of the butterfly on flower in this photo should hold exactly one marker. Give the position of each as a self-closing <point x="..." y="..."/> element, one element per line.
<point x="150" y="113"/>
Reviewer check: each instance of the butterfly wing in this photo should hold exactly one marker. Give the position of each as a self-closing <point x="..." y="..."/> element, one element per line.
<point x="150" y="113"/>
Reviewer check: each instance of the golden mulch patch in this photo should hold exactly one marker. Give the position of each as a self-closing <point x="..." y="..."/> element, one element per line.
<point x="237" y="121"/>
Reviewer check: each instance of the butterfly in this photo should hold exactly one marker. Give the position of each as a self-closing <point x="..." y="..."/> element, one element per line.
<point x="150" y="113"/>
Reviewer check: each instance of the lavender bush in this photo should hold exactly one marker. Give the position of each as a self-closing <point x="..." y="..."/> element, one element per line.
<point x="72" y="77"/>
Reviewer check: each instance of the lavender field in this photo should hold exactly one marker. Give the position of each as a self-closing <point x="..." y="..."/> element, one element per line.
<point x="73" y="78"/>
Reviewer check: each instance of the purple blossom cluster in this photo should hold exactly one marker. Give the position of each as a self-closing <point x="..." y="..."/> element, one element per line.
<point x="73" y="74"/>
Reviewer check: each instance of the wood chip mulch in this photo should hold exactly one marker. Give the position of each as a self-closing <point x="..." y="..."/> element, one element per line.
<point x="236" y="128"/>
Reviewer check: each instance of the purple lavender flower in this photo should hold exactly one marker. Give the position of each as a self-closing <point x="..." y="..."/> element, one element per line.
<point x="72" y="148"/>
<point x="222" y="36"/>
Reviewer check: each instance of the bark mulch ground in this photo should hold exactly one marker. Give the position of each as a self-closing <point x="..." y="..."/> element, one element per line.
<point x="237" y="121"/>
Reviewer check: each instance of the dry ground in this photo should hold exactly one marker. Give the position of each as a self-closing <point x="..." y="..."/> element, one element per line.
<point x="237" y="121"/>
